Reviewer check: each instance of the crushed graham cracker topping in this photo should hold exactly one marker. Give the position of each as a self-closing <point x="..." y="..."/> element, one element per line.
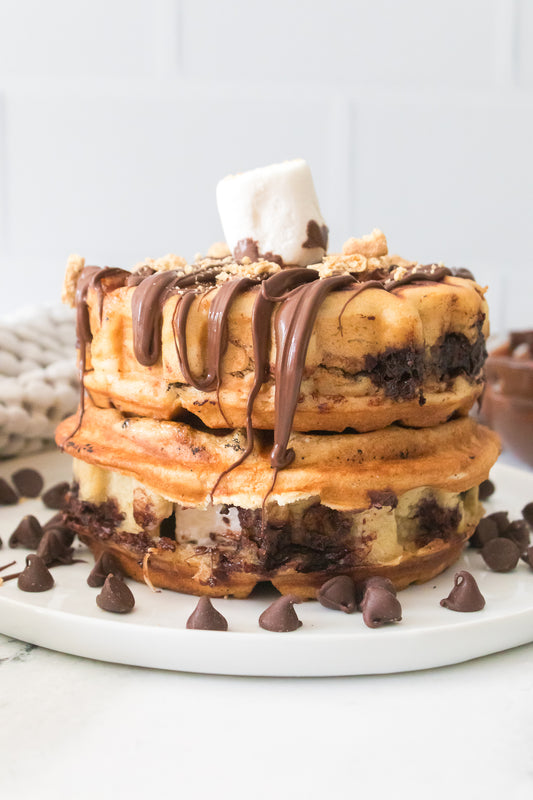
<point x="166" y="263"/>
<point x="75" y="265"/>
<point x="219" y="250"/>
<point x="372" y="245"/>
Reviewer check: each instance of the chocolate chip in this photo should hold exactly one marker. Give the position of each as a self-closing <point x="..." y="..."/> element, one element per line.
<point x="28" y="482"/>
<point x="104" y="565"/>
<point x="379" y="607"/>
<point x="54" y="497"/>
<point x="486" y="530"/>
<point x="465" y="595"/>
<point x="57" y="524"/>
<point x="486" y="489"/>
<point x="280" y="616"/>
<point x="462" y="272"/>
<point x="115" y="596"/>
<point x="206" y="618"/>
<point x="28" y="533"/>
<point x="518" y="532"/>
<point x="501" y="518"/>
<point x="8" y="496"/>
<point x="338" y="593"/>
<point x="375" y="581"/>
<point x="501" y="555"/>
<point x="35" y="577"/>
<point x="528" y="557"/>
<point x="52" y="549"/>
<point x="527" y="513"/>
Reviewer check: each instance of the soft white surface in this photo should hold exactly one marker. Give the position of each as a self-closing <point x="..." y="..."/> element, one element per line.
<point x="272" y="206"/>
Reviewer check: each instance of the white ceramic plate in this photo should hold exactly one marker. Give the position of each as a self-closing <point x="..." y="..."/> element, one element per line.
<point x="67" y="618"/>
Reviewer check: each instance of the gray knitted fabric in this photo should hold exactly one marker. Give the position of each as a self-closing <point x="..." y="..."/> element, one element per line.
<point x="38" y="377"/>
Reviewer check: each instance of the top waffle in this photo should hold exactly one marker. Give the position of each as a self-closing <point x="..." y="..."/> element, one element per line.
<point x="334" y="347"/>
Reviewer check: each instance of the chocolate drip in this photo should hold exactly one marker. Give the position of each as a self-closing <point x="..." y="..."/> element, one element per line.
<point x="216" y="332"/>
<point x="419" y="274"/>
<point x="147" y="315"/>
<point x="294" y="324"/>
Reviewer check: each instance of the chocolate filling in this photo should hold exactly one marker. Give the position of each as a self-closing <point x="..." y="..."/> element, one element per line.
<point x="399" y="372"/>
<point x="436" y="522"/>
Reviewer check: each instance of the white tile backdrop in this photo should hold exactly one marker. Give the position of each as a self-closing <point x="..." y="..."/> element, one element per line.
<point x="117" y="117"/>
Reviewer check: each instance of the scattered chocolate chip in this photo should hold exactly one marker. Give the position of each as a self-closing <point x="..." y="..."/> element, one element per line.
<point x="115" y="596"/>
<point x="35" y="577"/>
<point x="501" y="518"/>
<point x="53" y="550"/>
<point x="104" y="565"/>
<point x="28" y="533"/>
<point x="28" y="482"/>
<point x="338" y="593"/>
<point x="527" y="513"/>
<point x="8" y="496"/>
<point x="486" y="489"/>
<point x="280" y="616"/>
<point x="375" y="581"/>
<point x="380" y="606"/>
<point x="465" y="595"/>
<point x="528" y="557"/>
<point x="206" y="618"/>
<point x="54" y="497"/>
<point x="57" y="523"/>
<point x="518" y="532"/>
<point x="486" y="530"/>
<point x="501" y="554"/>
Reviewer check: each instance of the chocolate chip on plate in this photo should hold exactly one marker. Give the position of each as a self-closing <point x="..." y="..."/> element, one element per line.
<point x="280" y="616"/>
<point x="115" y="596"/>
<point x="28" y="533"/>
<point x="205" y="617"/>
<point x="528" y="557"/>
<point x="105" y="564"/>
<point x="465" y="595"/>
<point x="35" y="577"/>
<point x="380" y="606"/>
<point x="501" y="555"/>
<point x="53" y="550"/>
<point x="8" y="496"/>
<point x="54" y="497"/>
<point x="518" y="532"/>
<point x="28" y="482"/>
<point x="486" y="489"/>
<point x="527" y="513"/>
<point x="338" y="593"/>
<point x="501" y="518"/>
<point x="486" y="530"/>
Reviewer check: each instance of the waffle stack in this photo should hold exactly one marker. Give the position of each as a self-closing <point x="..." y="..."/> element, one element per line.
<point x="271" y="413"/>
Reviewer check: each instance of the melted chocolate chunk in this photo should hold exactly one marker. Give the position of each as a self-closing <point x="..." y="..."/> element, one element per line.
<point x="106" y="564"/>
<point x="317" y="236"/>
<point x="55" y="496"/>
<point x="518" y="532"/>
<point x="456" y="355"/>
<point x="398" y="372"/>
<point x="501" y="518"/>
<point x="527" y="513"/>
<point x="28" y="533"/>
<point x="501" y="555"/>
<point x="338" y="593"/>
<point x="436" y="522"/>
<point x="28" y="482"/>
<point x="115" y="596"/>
<point x="52" y="549"/>
<point x="486" y="530"/>
<point x="379" y="607"/>
<point x="280" y="616"/>
<point x="35" y="577"/>
<point x="8" y="496"/>
<point x="206" y="618"/>
<point x="486" y="489"/>
<point x="465" y="595"/>
<point x="383" y="499"/>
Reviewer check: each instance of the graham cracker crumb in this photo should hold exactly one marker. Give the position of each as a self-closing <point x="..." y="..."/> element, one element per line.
<point x="372" y="245"/>
<point x="337" y="263"/>
<point x="166" y="263"/>
<point x="75" y="265"/>
<point x="219" y="250"/>
<point x="247" y="269"/>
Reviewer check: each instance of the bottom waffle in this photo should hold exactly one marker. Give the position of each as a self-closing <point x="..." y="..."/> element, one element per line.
<point x="399" y="503"/>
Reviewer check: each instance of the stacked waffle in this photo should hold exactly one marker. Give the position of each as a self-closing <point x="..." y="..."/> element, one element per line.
<point x="244" y="420"/>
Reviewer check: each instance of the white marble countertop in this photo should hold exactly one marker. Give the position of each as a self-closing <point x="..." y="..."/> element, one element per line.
<point x="76" y="728"/>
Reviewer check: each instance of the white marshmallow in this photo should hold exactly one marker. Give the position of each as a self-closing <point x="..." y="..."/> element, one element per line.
<point x="273" y="206"/>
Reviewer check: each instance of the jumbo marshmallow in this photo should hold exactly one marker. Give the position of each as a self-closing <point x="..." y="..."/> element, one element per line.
<point x="272" y="212"/>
